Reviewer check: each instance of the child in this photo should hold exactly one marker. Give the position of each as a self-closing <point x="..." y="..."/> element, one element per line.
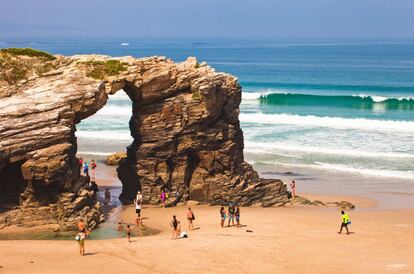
<point x="139" y="221"/>
<point x="120" y="227"/>
<point x="128" y="231"/>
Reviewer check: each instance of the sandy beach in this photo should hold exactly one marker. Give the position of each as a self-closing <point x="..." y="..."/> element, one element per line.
<point x="291" y="239"/>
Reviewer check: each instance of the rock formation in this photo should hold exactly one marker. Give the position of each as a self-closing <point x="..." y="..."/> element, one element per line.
<point x="187" y="137"/>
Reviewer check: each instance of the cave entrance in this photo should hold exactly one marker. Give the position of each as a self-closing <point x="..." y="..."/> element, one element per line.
<point x="103" y="134"/>
<point x="12" y="185"/>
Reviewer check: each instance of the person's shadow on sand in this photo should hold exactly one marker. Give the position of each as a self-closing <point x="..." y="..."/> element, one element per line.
<point x="90" y="253"/>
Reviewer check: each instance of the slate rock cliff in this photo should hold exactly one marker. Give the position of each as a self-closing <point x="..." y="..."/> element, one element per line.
<point x="184" y="122"/>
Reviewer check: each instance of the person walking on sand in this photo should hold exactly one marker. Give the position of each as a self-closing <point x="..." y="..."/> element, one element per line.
<point x="81" y="237"/>
<point x="93" y="170"/>
<point x="138" y="221"/>
<point x="237" y="214"/>
<point x="128" y="232"/>
<point x="138" y="207"/>
<point x="231" y="212"/>
<point x="293" y="188"/>
<point x="119" y="227"/>
<point x="81" y="164"/>
<point x="85" y="169"/>
<point x="222" y="216"/>
<point x="345" y="222"/>
<point x="190" y="218"/>
<point x="174" y="227"/>
<point x="107" y="197"/>
<point x="163" y="198"/>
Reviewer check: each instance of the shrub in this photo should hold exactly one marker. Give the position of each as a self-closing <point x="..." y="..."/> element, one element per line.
<point x="100" y="69"/>
<point x="29" y="52"/>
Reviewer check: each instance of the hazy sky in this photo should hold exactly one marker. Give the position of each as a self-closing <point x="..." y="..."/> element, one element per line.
<point x="208" y="18"/>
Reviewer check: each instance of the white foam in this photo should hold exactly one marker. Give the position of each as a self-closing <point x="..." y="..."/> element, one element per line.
<point x="251" y="95"/>
<point x="330" y="122"/>
<point x="104" y="134"/>
<point x="109" y="110"/>
<point x="274" y="147"/>
<point x="348" y="169"/>
<point x="365" y="171"/>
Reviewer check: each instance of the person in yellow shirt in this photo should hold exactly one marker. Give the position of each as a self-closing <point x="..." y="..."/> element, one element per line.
<point x="345" y="222"/>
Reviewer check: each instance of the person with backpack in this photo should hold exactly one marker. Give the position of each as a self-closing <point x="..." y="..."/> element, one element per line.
<point x="138" y="207"/>
<point x="231" y="212"/>
<point x="345" y="222"/>
<point x="190" y="218"/>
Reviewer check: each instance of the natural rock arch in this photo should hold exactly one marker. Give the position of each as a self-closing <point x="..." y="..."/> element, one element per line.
<point x="184" y="124"/>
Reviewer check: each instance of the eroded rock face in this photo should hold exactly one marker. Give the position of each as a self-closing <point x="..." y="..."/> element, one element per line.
<point x="187" y="138"/>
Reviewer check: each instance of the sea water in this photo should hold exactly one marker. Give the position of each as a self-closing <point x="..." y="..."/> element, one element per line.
<point x="337" y="106"/>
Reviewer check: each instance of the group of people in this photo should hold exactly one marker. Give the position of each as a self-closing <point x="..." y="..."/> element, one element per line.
<point x="233" y="212"/>
<point x="85" y="167"/>
<point x="176" y="225"/>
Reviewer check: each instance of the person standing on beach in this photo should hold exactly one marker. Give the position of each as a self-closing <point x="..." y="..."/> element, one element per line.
<point x="163" y="198"/>
<point x="93" y="170"/>
<point x="119" y="227"/>
<point x="81" y="164"/>
<point x="138" y="207"/>
<point x="190" y="218"/>
<point x="138" y="221"/>
<point x="128" y="231"/>
<point x="237" y="214"/>
<point x="81" y="237"/>
<point x="222" y="215"/>
<point x="174" y="227"/>
<point x="345" y="222"/>
<point x="293" y="188"/>
<point x="107" y="197"/>
<point x="231" y="212"/>
<point x="85" y="169"/>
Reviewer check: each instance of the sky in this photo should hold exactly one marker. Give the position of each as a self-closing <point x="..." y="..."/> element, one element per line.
<point x="208" y="18"/>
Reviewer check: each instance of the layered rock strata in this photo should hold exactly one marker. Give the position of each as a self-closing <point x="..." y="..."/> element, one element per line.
<point x="184" y="122"/>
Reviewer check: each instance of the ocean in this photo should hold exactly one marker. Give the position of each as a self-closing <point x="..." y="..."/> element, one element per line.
<point x="342" y="107"/>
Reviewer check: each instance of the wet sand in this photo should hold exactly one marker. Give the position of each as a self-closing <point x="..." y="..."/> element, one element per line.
<point x="290" y="239"/>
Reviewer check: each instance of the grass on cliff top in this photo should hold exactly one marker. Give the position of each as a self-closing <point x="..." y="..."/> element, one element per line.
<point x="100" y="69"/>
<point x="29" y="52"/>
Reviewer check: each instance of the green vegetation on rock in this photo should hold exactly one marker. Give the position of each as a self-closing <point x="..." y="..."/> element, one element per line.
<point x="196" y="96"/>
<point x="29" y="52"/>
<point x="100" y="69"/>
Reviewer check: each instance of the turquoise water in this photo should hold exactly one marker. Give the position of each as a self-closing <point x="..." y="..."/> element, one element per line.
<point x="343" y="106"/>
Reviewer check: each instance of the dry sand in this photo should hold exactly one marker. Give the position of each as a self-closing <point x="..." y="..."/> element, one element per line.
<point x="284" y="240"/>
